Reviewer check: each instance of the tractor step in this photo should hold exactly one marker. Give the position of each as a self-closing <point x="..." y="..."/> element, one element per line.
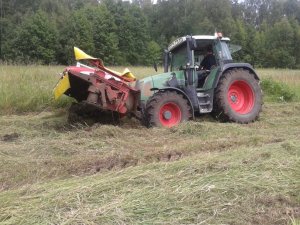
<point x="204" y="102"/>
<point x="202" y="95"/>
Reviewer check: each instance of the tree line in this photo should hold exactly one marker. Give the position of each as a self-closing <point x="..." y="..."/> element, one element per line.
<point x="136" y="32"/>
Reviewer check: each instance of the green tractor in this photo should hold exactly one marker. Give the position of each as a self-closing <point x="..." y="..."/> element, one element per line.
<point x="199" y="77"/>
<point x="230" y="91"/>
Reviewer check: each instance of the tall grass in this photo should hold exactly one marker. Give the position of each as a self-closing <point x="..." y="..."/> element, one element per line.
<point x="277" y="91"/>
<point x="280" y="84"/>
<point x="29" y="88"/>
<point x="289" y="77"/>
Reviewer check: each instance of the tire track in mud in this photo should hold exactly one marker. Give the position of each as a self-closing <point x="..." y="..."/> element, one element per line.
<point x="119" y="161"/>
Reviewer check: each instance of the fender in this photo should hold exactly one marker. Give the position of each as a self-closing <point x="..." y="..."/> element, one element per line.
<point x="178" y="91"/>
<point x="229" y="66"/>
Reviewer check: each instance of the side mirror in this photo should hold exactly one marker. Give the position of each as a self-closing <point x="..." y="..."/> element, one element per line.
<point x="155" y="66"/>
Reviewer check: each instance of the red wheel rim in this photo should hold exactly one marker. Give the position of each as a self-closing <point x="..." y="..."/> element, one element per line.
<point x="170" y="115"/>
<point x="241" y="97"/>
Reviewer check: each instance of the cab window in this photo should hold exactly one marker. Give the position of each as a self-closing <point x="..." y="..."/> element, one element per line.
<point x="178" y="58"/>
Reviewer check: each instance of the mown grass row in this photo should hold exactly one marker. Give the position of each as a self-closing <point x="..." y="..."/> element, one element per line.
<point x="29" y="88"/>
<point x="244" y="186"/>
<point x="45" y="146"/>
<point x="201" y="172"/>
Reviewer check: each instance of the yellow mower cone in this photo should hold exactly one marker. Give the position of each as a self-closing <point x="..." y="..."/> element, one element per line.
<point x="127" y="73"/>
<point x="62" y="86"/>
<point x="80" y="55"/>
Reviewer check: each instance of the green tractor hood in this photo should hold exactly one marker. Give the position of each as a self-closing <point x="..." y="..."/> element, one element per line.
<point x="150" y="84"/>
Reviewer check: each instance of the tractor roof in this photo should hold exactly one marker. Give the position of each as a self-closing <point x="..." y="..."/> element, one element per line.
<point x="182" y="40"/>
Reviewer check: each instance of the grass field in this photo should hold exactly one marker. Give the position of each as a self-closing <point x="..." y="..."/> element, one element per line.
<point x="201" y="172"/>
<point x="29" y="88"/>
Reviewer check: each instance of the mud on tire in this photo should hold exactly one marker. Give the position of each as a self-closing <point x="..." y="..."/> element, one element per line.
<point x="238" y="97"/>
<point x="167" y="109"/>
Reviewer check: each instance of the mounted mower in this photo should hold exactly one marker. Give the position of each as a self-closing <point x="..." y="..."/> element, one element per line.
<point x="230" y="91"/>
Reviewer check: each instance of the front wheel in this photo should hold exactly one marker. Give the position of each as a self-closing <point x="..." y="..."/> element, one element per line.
<point x="238" y="97"/>
<point x="167" y="109"/>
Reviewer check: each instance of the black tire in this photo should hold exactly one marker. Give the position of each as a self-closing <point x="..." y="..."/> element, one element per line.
<point x="86" y="114"/>
<point x="238" y="97"/>
<point x="167" y="109"/>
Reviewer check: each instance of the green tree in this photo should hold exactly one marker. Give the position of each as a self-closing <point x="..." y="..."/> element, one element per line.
<point x="77" y="31"/>
<point x="129" y="33"/>
<point x="104" y="34"/>
<point x="154" y="53"/>
<point x="259" y="54"/>
<point x="204" y="26"/>
<point x="296" y="41"/>
<point x="292" y="9"/>
<point x="219" y="13"/>
<point x="36" y="40"/>
<point x="132" y="33"/>
<point x="280" y="45"/>
<point x="239" y="37"/>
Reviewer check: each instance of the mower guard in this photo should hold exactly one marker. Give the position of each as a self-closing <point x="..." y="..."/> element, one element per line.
<point x="62" y="86"/>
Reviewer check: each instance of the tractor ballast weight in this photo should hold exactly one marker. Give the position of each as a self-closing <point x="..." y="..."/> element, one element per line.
<point x="229" y="91"/>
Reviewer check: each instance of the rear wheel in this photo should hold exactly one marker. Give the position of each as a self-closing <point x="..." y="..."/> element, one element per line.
<point x="238" y="97"/>
<point x="167" y="109"/>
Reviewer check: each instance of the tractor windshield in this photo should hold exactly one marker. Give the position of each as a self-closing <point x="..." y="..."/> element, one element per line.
<point x="178" y="58"/>
<point x="179" y="55"/>
<point x="221" y="51"/>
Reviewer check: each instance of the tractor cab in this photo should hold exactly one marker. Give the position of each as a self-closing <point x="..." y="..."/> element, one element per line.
<point x="189" y="53"/>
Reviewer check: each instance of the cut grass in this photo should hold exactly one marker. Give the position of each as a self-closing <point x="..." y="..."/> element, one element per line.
<point x="200" y="172"/>
<point x="86" y="150"/>
<point x="240" y="186"/>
